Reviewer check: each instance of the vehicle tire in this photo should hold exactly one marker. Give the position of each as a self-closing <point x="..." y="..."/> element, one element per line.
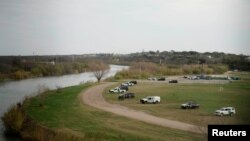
<point x="221" y="114"/>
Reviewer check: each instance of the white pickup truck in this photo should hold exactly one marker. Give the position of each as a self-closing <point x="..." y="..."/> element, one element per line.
<point x="117" y="90"/>
<point x="150" y="99"/>
<point x="225" y="111"/>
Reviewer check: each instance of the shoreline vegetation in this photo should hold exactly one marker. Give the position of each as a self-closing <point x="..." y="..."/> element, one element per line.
<point x="18" y="123"/>
<point x="35" y="70"/>
<point x="60" y="115"/>
<point x="139" y="70"/>
<point x="143" y="70"/>
<point x="148" y="63"/>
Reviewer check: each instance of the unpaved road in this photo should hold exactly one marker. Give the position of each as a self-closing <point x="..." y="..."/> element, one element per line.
<point x="93" y="97"/>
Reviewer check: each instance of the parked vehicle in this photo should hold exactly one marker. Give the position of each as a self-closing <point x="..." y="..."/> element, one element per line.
<point x="173" y="81"/>
<point x="126" y="95"/>
<point x="117" y="90"/>
<point x="225" y="111"/>
<point x="127" y="84"/>
<point x="152" y="78"/>
<point x="161" y="79"/>
<point x="124" y="87"/>
<point x="235" y="78"/>
<point x="150" y="99"/>
<point x="133" y="81"/>
<point x="192" y="77"/>
<point x="190" y="105"/>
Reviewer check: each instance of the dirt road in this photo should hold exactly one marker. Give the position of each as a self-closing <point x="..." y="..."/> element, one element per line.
<point x="93" y="97"/>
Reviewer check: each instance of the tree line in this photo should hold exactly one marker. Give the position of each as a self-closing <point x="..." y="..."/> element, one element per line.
<point x="22" y="67"/>
<point x="166" y="62"/>
<point x="233" y="61"/>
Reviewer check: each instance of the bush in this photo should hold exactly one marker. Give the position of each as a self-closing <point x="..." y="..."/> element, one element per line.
<point x="13" y="119"/>
<point x="208" y="71"/>
<point x="16" y="122"/>
<point x="196" y="71"/>
<point x="37" y="132"/>
<point x="219" y="68"/>
<point x="20" y="74"/>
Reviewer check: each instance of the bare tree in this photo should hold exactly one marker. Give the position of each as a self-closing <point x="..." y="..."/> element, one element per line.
<point x="202" y="61"/>
<point x="99" y="69"/>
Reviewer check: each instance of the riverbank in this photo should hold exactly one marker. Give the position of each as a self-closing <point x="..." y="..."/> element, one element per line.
<point x="60" y="115"/>
<point x="12" y="92"/>
<point x="19" y="122"/>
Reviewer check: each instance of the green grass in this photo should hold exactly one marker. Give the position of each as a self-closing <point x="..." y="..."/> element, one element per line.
<point x="209" y="96"/>
<point x="64" y="110"/>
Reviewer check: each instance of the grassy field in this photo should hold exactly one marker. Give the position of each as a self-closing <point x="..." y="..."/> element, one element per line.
<point x="209" y="96"/>
<point x="62" y="109"/>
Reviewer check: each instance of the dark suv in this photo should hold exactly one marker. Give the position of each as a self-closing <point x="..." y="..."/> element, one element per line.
<point x="173" y="81"/>
<point x="126" y="95"/>
<point x="161" y="79"/>
<point x="133" y="81"/>
<point x="124" y="87"/>
<point x="190" y="105"/>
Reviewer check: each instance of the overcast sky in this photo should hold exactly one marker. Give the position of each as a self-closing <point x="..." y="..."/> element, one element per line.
<point x="53" y="27"/>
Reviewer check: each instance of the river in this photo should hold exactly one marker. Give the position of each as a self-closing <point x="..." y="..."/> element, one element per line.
<point x="12" y="92"/>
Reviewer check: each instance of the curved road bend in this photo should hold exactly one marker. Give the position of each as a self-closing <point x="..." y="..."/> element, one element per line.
<point x="93" y="97"/>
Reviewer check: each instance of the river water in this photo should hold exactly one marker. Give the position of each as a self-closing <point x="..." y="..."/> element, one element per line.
<point x="12" y="92"/>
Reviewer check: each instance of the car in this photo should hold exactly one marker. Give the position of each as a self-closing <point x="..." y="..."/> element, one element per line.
<point x="150" y="99"/>
<point x="235" y="78"/>
<point x="161" y="79"/>
<point x="127" y="84"/>
<point x="117" y="90"/>
<point x="124" y="87"/>
<point x="193" y="78"/>
<point x="190" y="105"/>
<point x="133" y="81"/>
<point x="126" y="95"/>
<point x="225" y="111"/>
<point x="173" y="81"/>
<point x="152" y="78"/>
